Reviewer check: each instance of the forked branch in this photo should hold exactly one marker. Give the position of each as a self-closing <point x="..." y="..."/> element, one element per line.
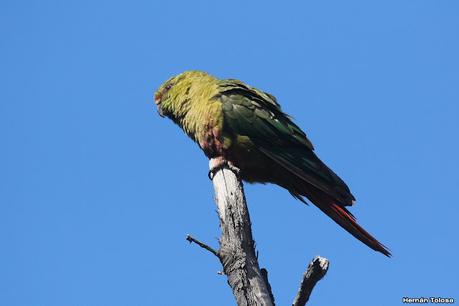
<point x="237" y="249"/>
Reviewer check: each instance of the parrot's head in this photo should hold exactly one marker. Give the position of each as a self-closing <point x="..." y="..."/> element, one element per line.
<point x="175" y="96"/>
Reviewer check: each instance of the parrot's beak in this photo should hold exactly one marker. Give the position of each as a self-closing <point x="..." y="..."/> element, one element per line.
<point x="158" y="103"/>
<point x="160" y="111"/>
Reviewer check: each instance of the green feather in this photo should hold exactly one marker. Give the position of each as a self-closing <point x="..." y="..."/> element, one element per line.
<point x="246" y="127"/>
<point x="257" y="115"/>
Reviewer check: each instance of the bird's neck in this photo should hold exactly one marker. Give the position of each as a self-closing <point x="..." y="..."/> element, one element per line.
<point x="199" y="112"/>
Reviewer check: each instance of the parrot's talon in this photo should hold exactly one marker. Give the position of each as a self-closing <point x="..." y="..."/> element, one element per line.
<point x="235" y="169"/>
<point x="211" y="174"/>
<point x="218" y="163"/>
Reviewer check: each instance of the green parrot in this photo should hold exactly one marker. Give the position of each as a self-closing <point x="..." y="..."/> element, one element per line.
<point x="244" y="127"/>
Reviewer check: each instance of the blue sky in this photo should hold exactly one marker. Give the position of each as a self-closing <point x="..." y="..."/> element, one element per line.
<point x="97" y="192"/>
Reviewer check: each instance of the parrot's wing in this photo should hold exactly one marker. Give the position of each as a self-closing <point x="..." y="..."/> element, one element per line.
<point x="257" y="115"/>
<point x="249" y="107"/>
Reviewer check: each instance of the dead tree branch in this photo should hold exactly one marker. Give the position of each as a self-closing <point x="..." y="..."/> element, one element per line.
<point x="237" y="249"/>
<point x="201" y="244"/>
<point x="316" y="271"/>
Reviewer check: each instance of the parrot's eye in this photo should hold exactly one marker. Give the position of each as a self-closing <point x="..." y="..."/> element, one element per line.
<point x="159" y="94"/>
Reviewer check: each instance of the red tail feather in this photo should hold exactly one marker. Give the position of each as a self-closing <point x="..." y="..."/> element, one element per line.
<point x="346" y="220"/>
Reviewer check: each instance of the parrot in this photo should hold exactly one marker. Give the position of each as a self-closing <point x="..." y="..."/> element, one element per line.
<point x="242" y="127"/>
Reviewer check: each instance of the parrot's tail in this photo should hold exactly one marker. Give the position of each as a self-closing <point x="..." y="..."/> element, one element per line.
<point x="304" y="174"/>
<point x="346" y="220"/>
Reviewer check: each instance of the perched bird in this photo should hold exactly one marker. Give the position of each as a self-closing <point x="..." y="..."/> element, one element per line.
<point x="244" y="127"/>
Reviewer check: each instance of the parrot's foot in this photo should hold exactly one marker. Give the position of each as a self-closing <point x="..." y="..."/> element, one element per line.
<point x="218" y="163"/>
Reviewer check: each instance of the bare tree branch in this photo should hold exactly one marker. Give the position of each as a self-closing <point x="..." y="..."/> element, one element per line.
<point x="237" y="248"/>
<point x="316" y="271"/>
<point x="264" y="273"/>
<point x="237" y="253"/>
<point x="202" y="245"/>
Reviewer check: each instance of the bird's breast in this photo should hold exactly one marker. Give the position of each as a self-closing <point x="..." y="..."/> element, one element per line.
<point x="206" y="122"/>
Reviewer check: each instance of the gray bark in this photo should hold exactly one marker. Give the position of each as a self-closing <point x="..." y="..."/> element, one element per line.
<point x="237" y="249"/>
<point x="316" y="270"/>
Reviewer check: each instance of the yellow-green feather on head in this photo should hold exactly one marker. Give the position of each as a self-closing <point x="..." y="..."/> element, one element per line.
<point x="187" y="100"/>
